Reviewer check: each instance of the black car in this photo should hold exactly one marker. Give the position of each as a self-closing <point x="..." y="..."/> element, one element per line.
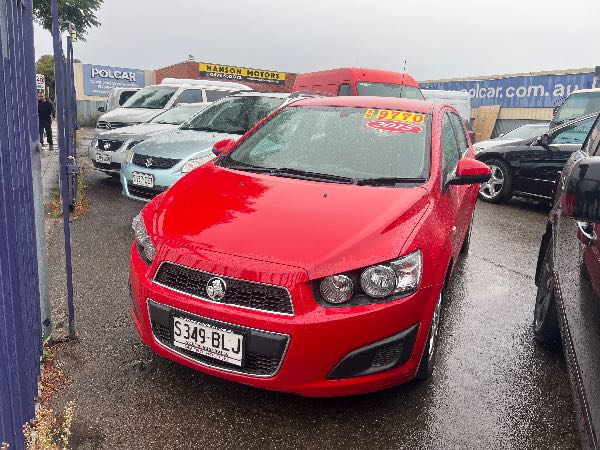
<point x="567" y="305"/>
<point x="530" y="168"/>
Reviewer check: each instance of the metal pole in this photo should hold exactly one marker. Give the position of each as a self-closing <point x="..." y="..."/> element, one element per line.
<point x="63" y="147"/>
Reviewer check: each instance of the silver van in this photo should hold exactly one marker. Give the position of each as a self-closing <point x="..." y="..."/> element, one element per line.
<point x="150" y="101"/>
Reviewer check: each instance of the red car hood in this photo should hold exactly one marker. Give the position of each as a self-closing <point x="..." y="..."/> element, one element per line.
<point x="324" y="228"/>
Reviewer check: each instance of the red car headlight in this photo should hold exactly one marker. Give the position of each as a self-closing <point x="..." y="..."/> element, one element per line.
<point x="378" y="283"/>
<point x="142" y="238"/>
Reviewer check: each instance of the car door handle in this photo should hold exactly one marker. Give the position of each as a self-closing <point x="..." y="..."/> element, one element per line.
<point x="587" y="229"/>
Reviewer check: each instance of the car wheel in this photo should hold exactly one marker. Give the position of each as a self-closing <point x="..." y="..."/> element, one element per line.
<point x="545" y="318"/>
<point x="464" y="250"/>
<point x="428" y="359"/>
<point x="499" y="187"/>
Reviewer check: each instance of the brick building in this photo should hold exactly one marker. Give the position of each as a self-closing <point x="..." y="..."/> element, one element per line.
<point x="257" y="79"/>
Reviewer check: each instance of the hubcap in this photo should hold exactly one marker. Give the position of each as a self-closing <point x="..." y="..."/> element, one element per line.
<point x="435" y="322"/>
<point x="492" y="188"/>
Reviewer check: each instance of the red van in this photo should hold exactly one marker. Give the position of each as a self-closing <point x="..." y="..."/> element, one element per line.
<point x="359" y="81"/>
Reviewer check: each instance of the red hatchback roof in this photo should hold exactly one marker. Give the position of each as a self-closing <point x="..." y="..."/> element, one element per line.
<point x="420" y="106"/>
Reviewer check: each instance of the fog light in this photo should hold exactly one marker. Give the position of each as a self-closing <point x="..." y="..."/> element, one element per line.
<point x="378" y="281"/>
<point x="336" y="288"/>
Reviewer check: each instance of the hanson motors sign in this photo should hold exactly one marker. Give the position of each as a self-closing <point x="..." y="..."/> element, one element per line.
<point x="233" y="73"/>
<point x="98" y="81"/>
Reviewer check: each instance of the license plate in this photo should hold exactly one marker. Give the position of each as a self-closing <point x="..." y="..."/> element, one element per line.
<point x="103" y="158"/>
<point x="208" y="341"/>
<point x="143" y="179"/>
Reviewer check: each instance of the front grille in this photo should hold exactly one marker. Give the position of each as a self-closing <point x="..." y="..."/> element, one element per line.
<point x="108" y="145"/>
<point x="153" y="162"/>
<point x="111" y="125"/>
<point x="264" y="351"/>
<point x="144" y="192"/>
<point x="238" y="292"/>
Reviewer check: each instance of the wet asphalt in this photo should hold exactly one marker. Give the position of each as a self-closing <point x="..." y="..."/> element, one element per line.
<point x="492" y="387"/>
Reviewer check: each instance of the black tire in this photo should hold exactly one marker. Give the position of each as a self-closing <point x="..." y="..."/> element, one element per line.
<point x="545" y="318"/>
<point x="464" y="250"/>
<point x="502" y="195"/>
<point x="430" y="352"/>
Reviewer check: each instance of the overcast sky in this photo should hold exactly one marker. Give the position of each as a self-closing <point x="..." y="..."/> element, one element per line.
<point x="437" y="38"/>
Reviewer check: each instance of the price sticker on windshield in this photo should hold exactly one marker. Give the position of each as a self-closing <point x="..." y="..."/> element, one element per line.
<point x="394" y="116"/>
<point x="394" y="126"/>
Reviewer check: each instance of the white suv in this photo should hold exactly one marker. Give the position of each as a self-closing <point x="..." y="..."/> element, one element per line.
<point x="150" y="101"/>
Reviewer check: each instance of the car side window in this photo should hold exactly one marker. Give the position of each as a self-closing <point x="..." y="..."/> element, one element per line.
<point x="574" y="134"/>
<point x="345" y="90"/>
<point x="463" y="143"/>
<point x="125" y="96"/>
<point x="213" y="96"/>
<point x="593" y="143"/>
<point x="190" y="96"/>
<point x="450" y="152"/>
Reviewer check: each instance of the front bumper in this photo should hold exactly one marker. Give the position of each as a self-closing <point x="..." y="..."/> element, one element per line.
<point x="163" y="180"/>
<point x="116" y="160"/>
<point x="316" y="351"/>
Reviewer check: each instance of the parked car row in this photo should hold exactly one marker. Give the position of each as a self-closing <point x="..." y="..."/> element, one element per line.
<point x="108" y="149"/>
<point x="309" y="243"/>
<point x="139" y="142"/>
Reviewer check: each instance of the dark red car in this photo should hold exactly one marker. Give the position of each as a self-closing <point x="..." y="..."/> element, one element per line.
<point x="310" y="257"/>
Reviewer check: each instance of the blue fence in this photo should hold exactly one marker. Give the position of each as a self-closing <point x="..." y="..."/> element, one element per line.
<point x="20" y="331"/>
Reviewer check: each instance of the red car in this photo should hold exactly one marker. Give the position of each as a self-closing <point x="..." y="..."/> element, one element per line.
<point x="310" y="256"/>
<point x="359" y="81"/>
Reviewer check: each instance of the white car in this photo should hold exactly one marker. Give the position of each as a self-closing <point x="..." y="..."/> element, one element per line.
<point x="107" y="149"/>
<point x="117" y="97"/>
<point x="150" y="101"/>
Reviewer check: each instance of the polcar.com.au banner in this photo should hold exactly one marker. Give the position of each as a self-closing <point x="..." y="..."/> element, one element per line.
<point x="232" y="73"/>
<point x="536" y="91"/>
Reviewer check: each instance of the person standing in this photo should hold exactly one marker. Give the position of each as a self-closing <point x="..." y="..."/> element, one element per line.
<point x="46" y="112"/>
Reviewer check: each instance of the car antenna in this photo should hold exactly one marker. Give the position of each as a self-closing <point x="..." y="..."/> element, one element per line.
<point x="403" y="75"/>
<point x="361" y="68"/>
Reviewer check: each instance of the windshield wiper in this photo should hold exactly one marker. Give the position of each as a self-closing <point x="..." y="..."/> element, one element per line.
<point x="292" y="173"/>
<point x="382" y="181"/>
<point x="303" y="174"/>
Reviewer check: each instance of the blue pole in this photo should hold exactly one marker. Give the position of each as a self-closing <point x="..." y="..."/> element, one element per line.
<point x="63" y="147"/>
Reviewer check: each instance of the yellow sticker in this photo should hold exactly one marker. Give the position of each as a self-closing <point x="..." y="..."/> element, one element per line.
<point x="397" y="116"/>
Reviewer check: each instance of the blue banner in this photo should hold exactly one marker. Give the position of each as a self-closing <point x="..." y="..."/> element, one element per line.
<point x="535" y="91"/>
<point x="98" y="81"/>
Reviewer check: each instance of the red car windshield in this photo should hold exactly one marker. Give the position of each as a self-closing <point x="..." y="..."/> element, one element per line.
<point x="352" y="144"/>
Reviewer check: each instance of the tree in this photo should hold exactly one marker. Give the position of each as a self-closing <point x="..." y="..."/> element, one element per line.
<point x="45" y="66"/>
<point x="81" y="13"/>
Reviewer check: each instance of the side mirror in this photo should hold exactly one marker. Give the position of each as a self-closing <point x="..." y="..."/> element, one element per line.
<point x="471" y="135"/>
<point x="470" y="171"/>
<point x="544" y="140"/>
<point x="101" y="108"/>
<point x="580" y="199"/>
<point x="223" y="147"/>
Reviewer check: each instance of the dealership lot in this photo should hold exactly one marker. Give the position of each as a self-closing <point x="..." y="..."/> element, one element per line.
<point x="493" y="386"/>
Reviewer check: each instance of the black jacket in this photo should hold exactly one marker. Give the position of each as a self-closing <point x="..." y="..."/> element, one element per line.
<point x="45" y="110"/>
